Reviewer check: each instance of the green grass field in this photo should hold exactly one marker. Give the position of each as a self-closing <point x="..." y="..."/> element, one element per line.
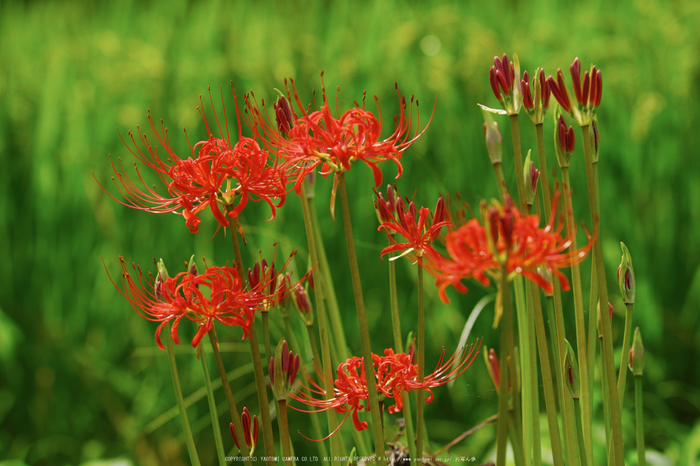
<point x="81" y="379"/>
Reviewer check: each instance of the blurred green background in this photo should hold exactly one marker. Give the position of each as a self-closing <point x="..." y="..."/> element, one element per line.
<point x="81" y="379"/>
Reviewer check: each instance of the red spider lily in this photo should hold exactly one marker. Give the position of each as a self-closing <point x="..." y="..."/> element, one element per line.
<point x="395" y="374"/>
<point x="510" y="241"/>
<point x="536" y="107"/>
<point x="412" y="225"/>
<point x="225" y="298"/>
<point x="203" y="179"/>
<point x="250" y="431"/>
<point x="588" y="96"/>
<point x="564" y="141"/>
<point x="318" y="138"/>
<point x="504" y="77"/>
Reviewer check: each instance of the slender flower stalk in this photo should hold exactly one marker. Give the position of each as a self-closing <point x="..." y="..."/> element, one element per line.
<point x="336" y="440"/>
<point x="189" y="440"/>
<point x="637" y="367"/>
<point x="212" y="407"/>
<point x="626" y="279"/>
<point x="564" y="142"/>
<point x="362" y="321"/>
<point x="504" y="372"/>
<point x="523" y="305"/>
<point x="615" y="414"/>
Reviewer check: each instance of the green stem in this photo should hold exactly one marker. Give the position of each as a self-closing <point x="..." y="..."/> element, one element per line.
<point x="579" y="430"/>
<point x="572" y="433"/>
<point x="398" y="345"/>
<point x="555" y="351"/>
<point x="312" y="341"/>
<point x="333" y="309"/>
<point x="544" y="173"/>
<point x="420" y="421"/>
<point x="606" y="405"/>
<point x="580" y="321"/>
<point x="364" y="330"/>
<point x="336" y="439"/>
<point x="187" y="431"/>
<point x="506" y="341"/>
<point x="528" y="391"/>
<point x="615" y="415"/>
<point x="284" y="429"/>
<point x="622" y="377"/>
<point x="639" y="414"/>
<point x="268" y="436"/>
<point x="549" y="393"/>
<point x="266" y="334"/>
<point x="212" y="408"/>
<point x="315" y="424"/>
<point x="518" y="159"/>
<point x="518" y="454"/>
<point x="592" y="329"/>
<point x="500" y="181"/>
<point x="233" y="410"/>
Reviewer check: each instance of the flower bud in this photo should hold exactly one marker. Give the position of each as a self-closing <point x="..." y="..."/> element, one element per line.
<point x="571" y="374"/>
<point x="494" y="140"/>
<point x="493" y="368"/>
<point x="637" y="354"/>
<point x="563" y="140"/>
<point x="162" y="271"/>
<point x="192" y="266"/>
<point x="283" y="115"/>
<point x="625" y="276"/>
<point x="531" y="175"/>
<point x="283" y="369"/>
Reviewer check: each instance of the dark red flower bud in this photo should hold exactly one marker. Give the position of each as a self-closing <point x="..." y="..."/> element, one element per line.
<point x="544" y="90"/>
<point x="233" y="434"/>
<point x="283" y="115"/>
<point x="495" y="370"/>
<point x="493" y="79"/>
<point x="586" y="88"/>
<point x="575" y="69"/>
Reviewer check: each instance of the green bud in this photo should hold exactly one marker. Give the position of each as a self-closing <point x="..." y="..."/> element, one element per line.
<point x="494" y="140"/>
<point x="637" y="354"/>
<point x="192" y="267"/>
<point x="162" y="271"/>
<point x="571" y="374"/>
<point x="530" y="175"/>
<point x="625" y="276"/>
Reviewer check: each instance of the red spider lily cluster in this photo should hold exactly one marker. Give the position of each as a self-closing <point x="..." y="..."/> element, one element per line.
<point x="588" y="95"/>
<point x="218" y="174"/>
<point x="508" y="241"/>
<point x="394" y="374"/>
<point x="409" y="222"/>
<point x="308" y="139"/>
<point x="250" y="431"/>
<point x="218" y="294"/>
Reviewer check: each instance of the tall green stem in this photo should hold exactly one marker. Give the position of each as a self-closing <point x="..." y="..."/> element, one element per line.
<point x="622" y="377"/>
<point x="549" y="393"/>
<point x="315" y="424"/>
<point x="329" y="290"/>
<point x="266" y="334"/>
<point x="592" y="329"/>
<point x="500" y="181"/>
<point x="579" y="430"/>
<point x="506" y="341"/>
<point x="544" y="173"/>
<point x="233" y="410"/>
<point x="268" y="436"/>
<point x="187" y="431"/>
<point x="284" y="428"/>
<point x="581" y="347"/>
<point x="639" y="414"/>
<point x="615" y="415"/>
<point x="420" y="426"/>
<point x="518" y="159"/>
<point x="528" y="390"/>
<point x="212" y="408"/>
<point x="336" y="439"/>
<point x="364" y="330"/>
<point x="555" y="350"/>
<point x="398" y="345"/>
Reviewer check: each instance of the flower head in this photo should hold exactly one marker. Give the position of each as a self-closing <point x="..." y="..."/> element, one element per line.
<point x="218" y="174"/>
<point x="251" y="429"/>
<point x="394" y="373"/>
<point x="536" y="107"/>
<point x="414" y="225"/>
<point x="332" y="142"/>
<point x="506" y="241"/>
<point x="587" y="96"/>
<point x="504" y="77"/>
<point x="563" y="141"/>
<point x="218" y="294"/>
